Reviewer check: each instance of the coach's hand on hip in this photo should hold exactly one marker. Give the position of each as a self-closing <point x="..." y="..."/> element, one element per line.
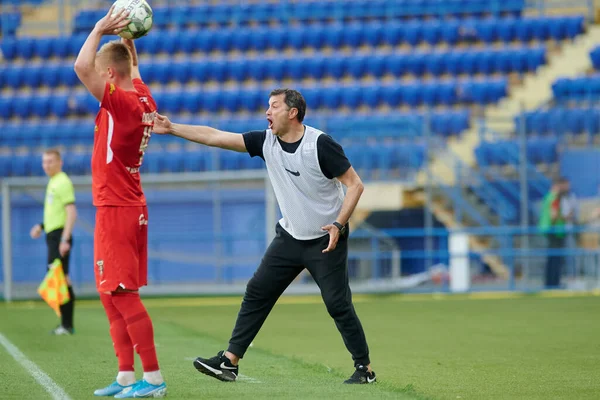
<point x="334" y="236"/>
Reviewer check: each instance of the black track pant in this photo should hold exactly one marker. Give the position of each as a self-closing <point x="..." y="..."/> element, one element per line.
<point x="285" y="258"/>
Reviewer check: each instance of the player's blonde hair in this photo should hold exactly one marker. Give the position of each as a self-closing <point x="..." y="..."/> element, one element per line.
<point x="117" y="55"/>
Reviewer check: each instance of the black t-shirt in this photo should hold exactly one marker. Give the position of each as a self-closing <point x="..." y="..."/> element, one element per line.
<point x="332" y="159"/>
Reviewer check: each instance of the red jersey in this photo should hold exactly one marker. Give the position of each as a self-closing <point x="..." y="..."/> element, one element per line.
<point x="123" y="127"/>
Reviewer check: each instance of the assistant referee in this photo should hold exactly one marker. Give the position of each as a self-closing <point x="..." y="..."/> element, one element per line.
<point x="307" y="169"/>
<point x="59" y="218"/>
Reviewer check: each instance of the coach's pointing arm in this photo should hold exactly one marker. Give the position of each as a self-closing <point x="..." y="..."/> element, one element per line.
<point x="201" y="134"/>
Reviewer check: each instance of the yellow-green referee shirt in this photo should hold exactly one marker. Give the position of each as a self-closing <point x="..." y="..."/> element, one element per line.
<point x="59" y="193"/>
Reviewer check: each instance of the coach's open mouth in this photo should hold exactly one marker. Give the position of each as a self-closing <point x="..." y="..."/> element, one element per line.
<point x="270" y="122"/>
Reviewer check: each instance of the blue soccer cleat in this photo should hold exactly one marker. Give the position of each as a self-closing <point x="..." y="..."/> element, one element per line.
<point x="111" y="390"/>
<point x="143" y="389"/>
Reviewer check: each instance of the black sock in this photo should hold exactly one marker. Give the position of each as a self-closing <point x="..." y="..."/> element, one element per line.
<point x="66" y="310"/>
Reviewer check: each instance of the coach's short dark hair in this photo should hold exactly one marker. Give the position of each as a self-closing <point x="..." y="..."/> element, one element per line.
<point x="293" y="99"/>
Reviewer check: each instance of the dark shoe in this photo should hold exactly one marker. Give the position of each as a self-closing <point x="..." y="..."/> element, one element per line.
<point x="361" y="376"/>
<point x="218" y="367"/>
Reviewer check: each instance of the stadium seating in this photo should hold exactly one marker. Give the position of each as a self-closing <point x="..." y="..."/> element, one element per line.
<point x="561" y="120"/>
<point x="362" y="81"/>
<point x="578" y="88"/>
<point x="366" y="159"/>
<point x="333" y="35"/>
<point x="335" y="66"/>
<point x="9" y="23"/>
<point x="224" y="14"/>
<point x="539" y="151"/>
<point x="341" y="127"/>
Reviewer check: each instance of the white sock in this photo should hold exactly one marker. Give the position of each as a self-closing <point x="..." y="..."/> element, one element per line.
<point x="126" y="378"/>
<point x="154" y="377"/>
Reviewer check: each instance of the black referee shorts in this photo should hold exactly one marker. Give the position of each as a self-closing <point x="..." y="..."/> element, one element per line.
<point x="53" y="242"/>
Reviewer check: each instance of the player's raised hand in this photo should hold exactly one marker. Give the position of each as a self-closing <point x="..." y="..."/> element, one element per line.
<point x="113" y="24"/>
<point x="162" y="124"/>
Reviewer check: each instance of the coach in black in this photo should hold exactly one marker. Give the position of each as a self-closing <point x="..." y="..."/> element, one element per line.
<point x="307" y="169"/>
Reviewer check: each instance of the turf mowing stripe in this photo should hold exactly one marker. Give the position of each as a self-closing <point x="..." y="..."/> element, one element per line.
<point x="40" y="376"/>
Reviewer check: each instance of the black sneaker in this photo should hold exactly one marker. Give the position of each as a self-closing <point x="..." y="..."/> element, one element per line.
<point x="361" y="376"/>
<point x="218" y="367"/>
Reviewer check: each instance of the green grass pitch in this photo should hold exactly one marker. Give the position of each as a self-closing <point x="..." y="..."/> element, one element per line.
<point x="422" y="347"/>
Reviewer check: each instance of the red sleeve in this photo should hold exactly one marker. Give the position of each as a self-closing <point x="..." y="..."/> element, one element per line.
<point x="114" y="98"/>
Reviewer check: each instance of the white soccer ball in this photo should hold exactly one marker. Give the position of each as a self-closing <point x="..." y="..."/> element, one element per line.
<point x="140" y="17"/>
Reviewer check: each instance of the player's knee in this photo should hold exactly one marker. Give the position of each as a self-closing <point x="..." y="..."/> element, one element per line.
<point x="256" y="288"/>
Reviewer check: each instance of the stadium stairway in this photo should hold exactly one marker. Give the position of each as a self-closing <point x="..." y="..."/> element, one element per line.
<point x="571" y="60"/>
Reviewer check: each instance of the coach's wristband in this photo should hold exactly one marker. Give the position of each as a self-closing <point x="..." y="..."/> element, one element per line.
<point x="63" y="240"/>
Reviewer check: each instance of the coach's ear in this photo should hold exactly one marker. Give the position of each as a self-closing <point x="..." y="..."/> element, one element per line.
<point x="293" y="113"/>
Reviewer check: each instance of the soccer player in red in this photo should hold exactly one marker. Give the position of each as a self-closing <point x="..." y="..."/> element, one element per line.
<point x="123" y="127"/>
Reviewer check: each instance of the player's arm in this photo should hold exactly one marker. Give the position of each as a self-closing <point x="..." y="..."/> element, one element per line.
<point x="201" y="134"/>
<point x="85" y="65"/>
<point x="135" y="71"/>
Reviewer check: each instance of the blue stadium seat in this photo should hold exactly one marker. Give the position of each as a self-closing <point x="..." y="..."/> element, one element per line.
<point x="574" y="26"/>
<point x="40" y="105"/>
<point x="393" y="34"/>
<point x="332" y="97"/>
<point x="353" y="35"/>
<point x="595" y="56"/>
<point x="181" y="72"/>
<point x="276" y="39"/>
<point x="42" y="47"/>
<point x="506" y="29"/>
<point x="484" y="61"/>
<point x="32" y="76"/>
<point x="392" y="94"/>
<point x="373" y="34"/>
<point x="412" y="33"/>
<point x="6" y="110"/>
<point x="412" y="94"/>
<point x="450" y="32"/>
<point x="315" y="67"/>
<point x="487" y="30"/>
<point x="59" y="105"/>
<point x="557" y="28"/>
<point x="356" y="66"/>
<point x="22" y="106"/>
<point x="540" y="28"/>
<point x="67" y="76"/>
<point x="524" y="30"/>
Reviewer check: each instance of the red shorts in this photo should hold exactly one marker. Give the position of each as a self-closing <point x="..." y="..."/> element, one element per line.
<point x="121" y="248"/>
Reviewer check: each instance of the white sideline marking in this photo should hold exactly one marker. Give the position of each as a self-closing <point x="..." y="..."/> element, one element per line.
<point x="40" y="376"/>
<point x="240" y="377"/>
